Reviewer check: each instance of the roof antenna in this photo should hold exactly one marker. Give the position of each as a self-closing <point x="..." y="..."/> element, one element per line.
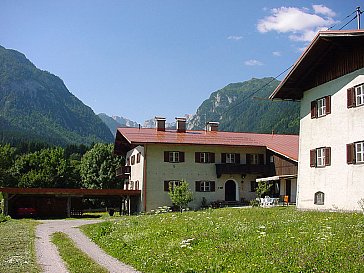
<point x="358" y="13"/>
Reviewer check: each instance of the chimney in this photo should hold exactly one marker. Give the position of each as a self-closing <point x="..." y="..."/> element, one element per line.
<point x="212" y="126"/>
<point x="181" y="125"/>
<point x="160" y="123"/>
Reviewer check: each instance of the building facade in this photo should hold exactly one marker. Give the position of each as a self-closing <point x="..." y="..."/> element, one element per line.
<point x="219" y="166"/>
<point x="328" y="79"/>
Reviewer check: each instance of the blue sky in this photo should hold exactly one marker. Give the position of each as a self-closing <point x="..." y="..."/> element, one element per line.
<point x="140" y="59"/>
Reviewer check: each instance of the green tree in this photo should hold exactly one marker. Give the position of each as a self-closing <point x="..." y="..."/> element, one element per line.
<point x="46" y="168"/>
<point x="180" y="194"/>
<point x="98" y="167"/>
<point x="262" y="188"/>
<point x="7" y="158"/>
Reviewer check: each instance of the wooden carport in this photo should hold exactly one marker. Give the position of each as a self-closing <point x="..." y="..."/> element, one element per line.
<point x="58" y="202"/>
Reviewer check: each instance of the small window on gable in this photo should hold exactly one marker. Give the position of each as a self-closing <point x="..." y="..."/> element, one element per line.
<point x="321" y="107"/>
<point x="132" y="159"/>
<point x="319" y="198"/>
<point x="137" y="185"/>
<point x="138" y="157"/>
<point x="128" y="162"/>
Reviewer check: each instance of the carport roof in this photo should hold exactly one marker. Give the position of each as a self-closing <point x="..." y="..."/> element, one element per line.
<point x="71" y="192"/>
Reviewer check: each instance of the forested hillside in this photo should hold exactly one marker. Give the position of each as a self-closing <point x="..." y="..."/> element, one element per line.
<point x="36" y="105"/>
<point x="242" y="107"/>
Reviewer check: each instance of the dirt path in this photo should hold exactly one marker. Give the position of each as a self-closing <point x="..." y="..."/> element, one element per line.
<point x="47" y="254"/>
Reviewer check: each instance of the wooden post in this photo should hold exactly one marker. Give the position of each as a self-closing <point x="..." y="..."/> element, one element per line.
<point x="6" y="203"/>
<point x="69" y="203"/>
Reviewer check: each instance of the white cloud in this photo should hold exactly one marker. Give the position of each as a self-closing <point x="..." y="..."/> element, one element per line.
<point x="235" y="37"/>
<point x="253" y="62"/>
<point x="321" y="9"/>
<point x="299" y="22"/>
<point x="277" y="53"/>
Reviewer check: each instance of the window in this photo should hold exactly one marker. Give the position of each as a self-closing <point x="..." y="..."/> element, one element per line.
<point x="174" y="157"/>
<point x="138" y="157"/>
<point x="137" y="185"/>
<point x="319" y="198"/>
<point x="132" y="159"/>
<point x="230" y="158"/>
<point x="320" y="157"/>
<point x="173" y="184"/>
<point x="255" y="159"/>
<point x="204" y="157"/>
<point x="128" y="162"/>
<point x="253" y="186"/>
<point x="321" y="107"/>
<point x="205" y="186"/>
<point x="355" y="96"/>
<point x="355" y="153"/>
<point x="359" y="95"/>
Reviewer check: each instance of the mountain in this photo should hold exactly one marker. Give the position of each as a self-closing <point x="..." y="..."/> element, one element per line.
<point x="115" y="122"/>
<point x="36" y="105"/>
<point x="242" y="107"/>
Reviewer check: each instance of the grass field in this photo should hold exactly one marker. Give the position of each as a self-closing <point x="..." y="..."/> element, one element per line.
<point x="76" y="260"/>
<point x="17" y="252"/>
<point x="236" y="240"/>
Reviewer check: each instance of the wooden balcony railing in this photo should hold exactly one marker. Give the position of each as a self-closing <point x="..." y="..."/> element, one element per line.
<point x="230" y="168"/>
<point x="123" y="172"/>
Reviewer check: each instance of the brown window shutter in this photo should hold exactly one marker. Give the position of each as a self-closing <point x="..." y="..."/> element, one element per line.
<point x="166" y="185"/>
<point x="327" y="156"/>
<point x="350" y="153"/>
<point x="181" y="156"/>
<point x="261" y="159"/>
<point x="198" y="186"/>
<point x="223" y="158"/>
<point x="328" y="104"/>
<point x="212" y="185"/>
<point x="197" y="157"/>
<point x="313" y="109"/>
<point x="351" y="97"/>
<point x="248" y="159"/>
<point x="166" y="156"/>
<point x="237" y="158"/>
<point x="212" y="158"/>
<point x="313" y="158"/>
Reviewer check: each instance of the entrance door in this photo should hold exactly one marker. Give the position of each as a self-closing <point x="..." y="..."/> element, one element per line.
<point x="230" y="191"/>
<point x="288" y="189"/>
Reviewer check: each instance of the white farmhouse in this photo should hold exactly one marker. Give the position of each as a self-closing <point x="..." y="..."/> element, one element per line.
<point x="328" y="79"/>
<point x="220" y="167"/>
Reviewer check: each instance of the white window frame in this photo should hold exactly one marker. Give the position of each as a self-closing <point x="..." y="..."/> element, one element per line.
<point x="174" y="183"/>
<point x="359" y="152"/>
<point x="205" y="186"/>
<point x="320" y="157"/>
<point x="359" y="95"/>
<point x="174" y="157"/>
<point x="321" y="107"/>
<point x="254" y="159"/>
<point x="230" y="158"/>
<point x="204" y="157"/>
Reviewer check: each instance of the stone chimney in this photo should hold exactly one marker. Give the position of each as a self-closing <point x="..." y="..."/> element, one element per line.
<point x="181" y="125"/>
<point x="212" y="126"/>
<point x="160" y="123"/>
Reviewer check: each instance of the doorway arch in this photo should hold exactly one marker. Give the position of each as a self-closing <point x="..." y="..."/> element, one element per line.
<point x="230" y="190"/>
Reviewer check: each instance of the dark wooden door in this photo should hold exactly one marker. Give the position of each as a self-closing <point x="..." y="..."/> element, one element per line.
<point x="230" y="191"/>
<point x="288" y="189"/>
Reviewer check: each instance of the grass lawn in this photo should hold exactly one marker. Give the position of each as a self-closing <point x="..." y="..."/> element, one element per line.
<point x="76" y="260"/>
<point x="17" y="250"/>
<point x="236" y="240"/>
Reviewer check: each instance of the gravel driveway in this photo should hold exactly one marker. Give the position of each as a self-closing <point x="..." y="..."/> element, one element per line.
<point x="47" y="254"/>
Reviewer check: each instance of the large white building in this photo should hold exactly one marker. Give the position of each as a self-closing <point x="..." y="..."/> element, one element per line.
<point x="219" y="166"/>
<point x="328" y="79"/>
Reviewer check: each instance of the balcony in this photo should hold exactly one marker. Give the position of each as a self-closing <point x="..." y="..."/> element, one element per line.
<point x="123" y="172"/>
<point x="230" y="168"/>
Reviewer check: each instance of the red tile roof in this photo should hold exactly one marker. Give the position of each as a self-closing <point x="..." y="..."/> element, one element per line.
<point x="286" y="145"/>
